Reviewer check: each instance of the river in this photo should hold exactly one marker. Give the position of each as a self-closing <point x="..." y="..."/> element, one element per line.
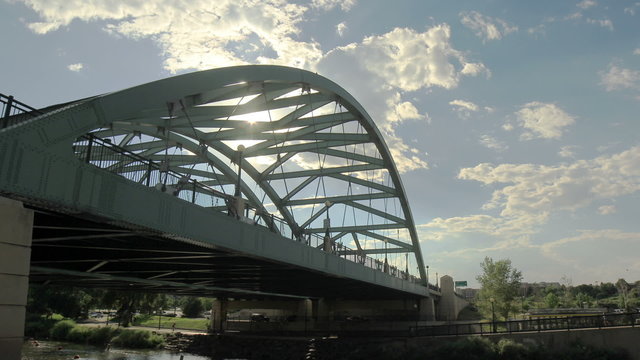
<point x="55" y="350"/>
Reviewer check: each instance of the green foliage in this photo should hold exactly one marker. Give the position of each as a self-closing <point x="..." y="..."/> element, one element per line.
<point x="101" y="336"/>
<point x="500" y="285"/>
<point x="69" y="302"/>
<point x="583" y="300"/>
<point x="472" y="348"/>
<point x="78" y="334"/>
<point x="510" y="350"/>
<point x="192" y="308"/>
<point x="551" y="301"/>
<point x="38" y="326"/>
<point x="479" y="348"/>
<point x="141" y="339"/>
<point x="61" y="329"/>
<point x="578" y="350"/>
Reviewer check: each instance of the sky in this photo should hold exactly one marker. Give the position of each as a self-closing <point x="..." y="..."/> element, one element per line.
<point x="514" y="124"/>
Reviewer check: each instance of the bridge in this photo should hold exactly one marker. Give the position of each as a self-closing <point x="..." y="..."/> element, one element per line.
<point x="261" y="183"/>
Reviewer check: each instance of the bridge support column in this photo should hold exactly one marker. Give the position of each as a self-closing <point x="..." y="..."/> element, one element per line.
<point x="426" y="310"/>
<point x="305" y="313"/>
<point x="16" y="226"/>
<point x="219" y="315"/>
<point x="450" y="303"/>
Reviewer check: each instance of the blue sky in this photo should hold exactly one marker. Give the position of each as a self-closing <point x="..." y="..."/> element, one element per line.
<point x="515" y="124"/>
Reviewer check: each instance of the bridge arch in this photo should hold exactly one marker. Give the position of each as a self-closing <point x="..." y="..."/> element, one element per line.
<point x="295" y="147"/>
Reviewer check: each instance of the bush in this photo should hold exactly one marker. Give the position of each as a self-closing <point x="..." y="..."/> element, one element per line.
<point x="510" y="350"/>
<point x="192" y="308"/>
<point x="141" y="339"/>
<point x="61" y="329"/>
<point x="38" y="326"/>
<point x="473" y="348"/>
<point x="101" y="336"/>
<point x="578" y="350"/>
<point x="79" y="334"/>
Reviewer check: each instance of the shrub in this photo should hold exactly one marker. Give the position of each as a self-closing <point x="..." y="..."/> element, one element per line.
<point x="101" y="336"/>
<point x="473" y="348"/>
<point x="78" y="334"/>
<point x="192" y="308"/>
<point x="510" y="350"/>
<point x="138" y="339"/>
<point x="38" y="326"/>
<point x="61" y="329"/>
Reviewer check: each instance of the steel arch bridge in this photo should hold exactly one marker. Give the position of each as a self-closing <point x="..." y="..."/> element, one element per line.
<point x="272" y="146"/>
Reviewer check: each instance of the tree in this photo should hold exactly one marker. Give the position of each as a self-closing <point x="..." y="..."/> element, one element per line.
<point x="192" y="307"/>
<point x="551" y="301"/>
<point x="500" y="285"/>
<point x="623" y="289"/>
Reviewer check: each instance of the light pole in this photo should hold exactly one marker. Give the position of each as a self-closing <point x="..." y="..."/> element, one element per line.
<point x="427" y="276"/>
<point x="386" y="263"/>
<point x="493" y="314"/>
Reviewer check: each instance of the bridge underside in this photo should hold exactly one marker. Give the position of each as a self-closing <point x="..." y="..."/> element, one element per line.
<point x="88" y="252"/>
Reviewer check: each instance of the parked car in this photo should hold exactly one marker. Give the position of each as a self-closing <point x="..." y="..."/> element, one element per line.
<point x="259" y="318"/>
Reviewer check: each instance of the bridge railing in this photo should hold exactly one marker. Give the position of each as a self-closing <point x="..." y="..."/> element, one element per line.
<point x="566" y="323"/>
<point x="10" y="107"/>
<point x="104" y="154"/>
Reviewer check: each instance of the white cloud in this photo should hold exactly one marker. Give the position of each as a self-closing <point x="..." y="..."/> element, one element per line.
<point x="209" y="34"/>
<point x="567" y="151"/>
<point x="542" y="120"/>
<point x="464" y="104"/>
<point x="607" y="209"/>
<point x="75" y="67"/>
<point x="631" y="10"/>
<point x="539" y="188"/>
<point x="387" y="66"/>
<point x="485" y="27"/>
<point x="464" y="108"/>
<point x="605" y="23"/>
<point x="585" y="4"/>
<point x="345" y="5"/>
<point x="341" y="28"/>
<point x="493" y="143"/>
<point x="618" y="78"/>
<point x="230" y="32"/>
<point x="636" y="51"/>
<point x="527" y="196"/>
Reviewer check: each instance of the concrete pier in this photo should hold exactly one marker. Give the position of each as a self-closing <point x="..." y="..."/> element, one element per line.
<point x="16" y="226"/>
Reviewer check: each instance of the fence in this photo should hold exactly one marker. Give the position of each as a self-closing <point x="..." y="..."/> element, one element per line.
<point x="566" y="323"/>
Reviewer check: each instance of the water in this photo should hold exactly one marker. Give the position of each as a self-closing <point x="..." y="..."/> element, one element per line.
<point x="48" y="350"/>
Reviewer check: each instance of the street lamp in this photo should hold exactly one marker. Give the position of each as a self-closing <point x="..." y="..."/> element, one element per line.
<point x="427" y="276"/>
<point x="493" y="314"/>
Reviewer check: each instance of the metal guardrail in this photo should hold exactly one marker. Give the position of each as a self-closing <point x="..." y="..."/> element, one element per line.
<point x="10" y="107"/>
<point x="111" y="157"/>
<point x="565" y="323"/>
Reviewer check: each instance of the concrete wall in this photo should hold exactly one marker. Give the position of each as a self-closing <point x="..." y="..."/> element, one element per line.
<point x="16" y="224"/>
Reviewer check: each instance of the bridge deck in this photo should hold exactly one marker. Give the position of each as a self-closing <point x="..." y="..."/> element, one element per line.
<point x="74" y="250"/>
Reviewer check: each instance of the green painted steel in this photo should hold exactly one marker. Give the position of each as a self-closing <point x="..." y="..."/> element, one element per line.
<point x="310" y="151"/>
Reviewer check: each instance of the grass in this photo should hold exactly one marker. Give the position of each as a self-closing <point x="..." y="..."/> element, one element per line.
<point x="166" y="322"/>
